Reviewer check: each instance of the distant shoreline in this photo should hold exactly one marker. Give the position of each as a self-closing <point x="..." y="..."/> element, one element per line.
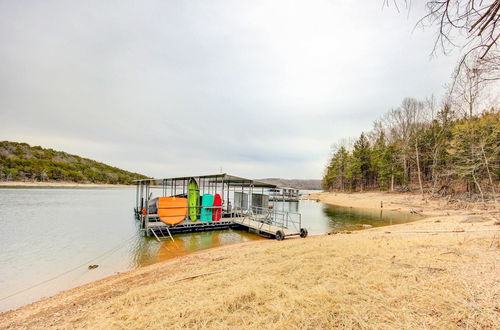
<point x="22" y="184"/>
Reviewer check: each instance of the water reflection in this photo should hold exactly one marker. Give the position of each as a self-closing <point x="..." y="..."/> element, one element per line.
<point x="148" y="250"/>
<point x="321" y="218"/>
<point x="348" y="218"/>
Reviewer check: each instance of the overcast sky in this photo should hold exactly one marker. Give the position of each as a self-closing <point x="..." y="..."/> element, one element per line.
<point x="167" y="88"/>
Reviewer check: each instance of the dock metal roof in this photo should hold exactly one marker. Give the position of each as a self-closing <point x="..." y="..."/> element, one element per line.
<point x="213" y="178"/>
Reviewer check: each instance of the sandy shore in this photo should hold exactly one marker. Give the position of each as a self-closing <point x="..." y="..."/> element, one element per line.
<point x="439" y="272"/>
<point x="19" y="184"/>
<point x="406" y="202"/>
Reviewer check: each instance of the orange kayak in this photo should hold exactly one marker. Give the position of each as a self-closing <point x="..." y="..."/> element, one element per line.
<point x="172" y="210"/>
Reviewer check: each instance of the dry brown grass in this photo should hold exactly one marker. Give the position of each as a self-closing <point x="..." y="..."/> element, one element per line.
<point x="367" y="279"/>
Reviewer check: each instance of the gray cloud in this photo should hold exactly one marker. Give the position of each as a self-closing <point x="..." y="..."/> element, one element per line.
<point x="176" y="87"/>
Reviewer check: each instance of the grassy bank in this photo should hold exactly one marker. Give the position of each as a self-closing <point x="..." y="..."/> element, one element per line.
<point x="389" y="277"/>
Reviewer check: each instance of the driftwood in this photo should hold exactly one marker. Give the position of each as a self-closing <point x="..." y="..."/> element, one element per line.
<point x="434" y="269"/>
<point x="198" y="275"/>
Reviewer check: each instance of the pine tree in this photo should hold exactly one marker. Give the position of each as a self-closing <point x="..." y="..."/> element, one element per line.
<point x="362" y="161"/>
<point x="336" y="175"/>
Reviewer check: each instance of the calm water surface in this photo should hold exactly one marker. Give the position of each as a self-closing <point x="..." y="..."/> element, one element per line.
<point x="47" y="232"/>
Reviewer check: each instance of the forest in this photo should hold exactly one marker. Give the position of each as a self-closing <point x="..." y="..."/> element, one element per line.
<point x="418" y="147"/>
<point x="22" y="162"/>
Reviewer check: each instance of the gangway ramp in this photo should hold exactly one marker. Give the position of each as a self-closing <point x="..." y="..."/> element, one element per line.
<point x="279" y="224"/>
<point x="265" y="228"/>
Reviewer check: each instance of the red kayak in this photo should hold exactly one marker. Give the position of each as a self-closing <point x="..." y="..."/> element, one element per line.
<point x="217" y="210"/>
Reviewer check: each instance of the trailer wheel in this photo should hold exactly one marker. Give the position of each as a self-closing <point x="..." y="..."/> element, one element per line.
<point x="303" y="232"/>
<point x="280" y="235"/>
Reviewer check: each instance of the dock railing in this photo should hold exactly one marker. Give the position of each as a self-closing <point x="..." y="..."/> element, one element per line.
<point x="269" y="221"/>
<point x="282" y="219"/>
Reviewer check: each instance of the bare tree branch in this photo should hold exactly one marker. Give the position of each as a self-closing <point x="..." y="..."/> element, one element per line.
<point x="470" y="25"/>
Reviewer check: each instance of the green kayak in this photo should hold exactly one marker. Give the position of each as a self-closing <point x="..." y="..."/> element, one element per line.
<point x="193" y="199"/>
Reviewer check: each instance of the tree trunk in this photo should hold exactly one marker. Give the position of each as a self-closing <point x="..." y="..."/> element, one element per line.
<point x="418" y="170"/>
<point x="477" y="184"/>
<point x="433" y="173"/>
<point x="489" y="175"/>
<point x="392" y="179"/>
<point x="405" y="175"/>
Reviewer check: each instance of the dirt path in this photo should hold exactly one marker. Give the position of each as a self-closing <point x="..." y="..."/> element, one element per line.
<point x="440" y="272"/>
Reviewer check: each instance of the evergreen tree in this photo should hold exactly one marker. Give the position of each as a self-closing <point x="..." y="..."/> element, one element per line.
<point x="336" y="174"/>
<point x="362" y="161"/>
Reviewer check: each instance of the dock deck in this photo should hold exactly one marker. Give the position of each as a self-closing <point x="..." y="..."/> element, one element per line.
<point x="188" y="226"/>
<point x="259" y="223"/>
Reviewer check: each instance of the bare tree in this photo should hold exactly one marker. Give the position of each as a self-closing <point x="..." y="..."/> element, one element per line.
<point x="487" y="166"/>
<point x="467" y="88"/>
<point x="440" y="124"/>
<point x="404" y="124"/>
<point x="413" y="112"/>
<point x="477" y="20"/>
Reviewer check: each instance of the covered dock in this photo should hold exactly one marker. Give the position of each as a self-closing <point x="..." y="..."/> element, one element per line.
<point x="284" y="194"/>
<point x="243" y="203"/>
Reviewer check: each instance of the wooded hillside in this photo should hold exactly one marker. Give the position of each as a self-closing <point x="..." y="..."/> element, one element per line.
<point x="416" y="147"/>
<point x="22" y="162"/>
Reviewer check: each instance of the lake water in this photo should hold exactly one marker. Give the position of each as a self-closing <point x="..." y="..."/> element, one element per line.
<point x="52" y="235"/>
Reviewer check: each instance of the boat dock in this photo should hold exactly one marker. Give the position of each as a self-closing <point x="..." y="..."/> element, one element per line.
<point x="284" y="194"/>
<point x="244" y="205"/>
<point x="268" y="223"/>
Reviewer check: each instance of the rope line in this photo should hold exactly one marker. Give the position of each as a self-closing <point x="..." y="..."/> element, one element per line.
<point x="70" y="270"/>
